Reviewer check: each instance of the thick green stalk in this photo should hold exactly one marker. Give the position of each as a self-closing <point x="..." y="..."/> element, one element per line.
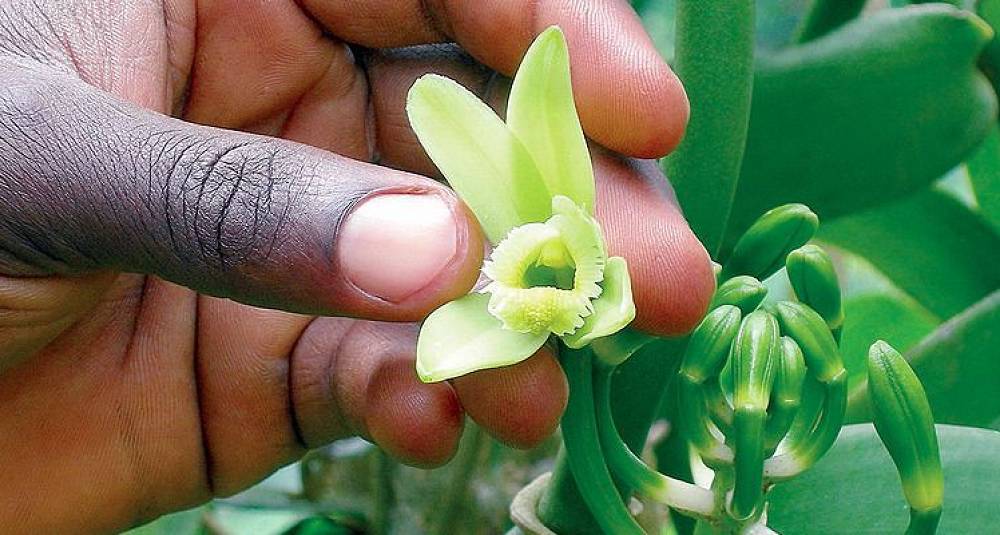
<point x="923" y="522"/>
<point x="640" y="385"/>
<point x="465" y="465"/>
<point x="384" y="497"/>
<point x="714" y="60"/>
<point x="583" y="454"/>
<point x="826" y="15"/>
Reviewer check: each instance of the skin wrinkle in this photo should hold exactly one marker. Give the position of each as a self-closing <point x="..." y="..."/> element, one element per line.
<point x="221" y="210"/>
<point x="158" y="169"/>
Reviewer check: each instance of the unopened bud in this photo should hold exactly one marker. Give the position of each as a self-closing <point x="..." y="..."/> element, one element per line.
<point x="904" y="423"/>
<point x="814" y="280"/>
<point x="743" y="291"/>
<point x="754" y="355"/>
<point x="709" y="344"/>
<point x="813" y="336"/>
<point x="763" y="247"/>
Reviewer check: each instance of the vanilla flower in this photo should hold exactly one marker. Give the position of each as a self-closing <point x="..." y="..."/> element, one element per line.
<point x="530" y="183"/>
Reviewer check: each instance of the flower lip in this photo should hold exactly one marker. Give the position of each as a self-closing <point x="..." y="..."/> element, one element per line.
<point x="544" y="275"/>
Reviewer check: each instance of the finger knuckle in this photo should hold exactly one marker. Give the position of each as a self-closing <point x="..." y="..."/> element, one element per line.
<point x="227" y="200"/>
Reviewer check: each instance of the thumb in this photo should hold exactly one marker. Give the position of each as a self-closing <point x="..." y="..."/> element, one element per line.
<point x="93" y="183"/>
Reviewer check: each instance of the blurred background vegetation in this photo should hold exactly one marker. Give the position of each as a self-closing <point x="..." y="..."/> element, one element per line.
<point x="920" y="269"/>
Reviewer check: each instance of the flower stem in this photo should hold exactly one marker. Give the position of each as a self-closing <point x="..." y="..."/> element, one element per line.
<point x="648" y="374"/>
<point x="458" y="488"/>
<point x="384" y="497"/>
<point x="583" y="448"/>
<point x="682" y="496"/>
<point x="923" y="522"/>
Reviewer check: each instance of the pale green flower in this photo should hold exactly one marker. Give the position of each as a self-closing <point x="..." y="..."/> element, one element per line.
<point x="530" y="184"/>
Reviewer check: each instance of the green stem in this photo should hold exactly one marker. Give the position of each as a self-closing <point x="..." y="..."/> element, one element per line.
<point x="826" y="15"/>
<point x="458" y="488"/>
<point x="748" y="462"/>
<point x="682" y="496"/>
<point x="583" y="448"/>
<point x="384" y="495"/>
<point x="714" y="60"/>
<point x="807" y="448"/>
<point x="923" y="522"/>
<point x="641" y="384"/>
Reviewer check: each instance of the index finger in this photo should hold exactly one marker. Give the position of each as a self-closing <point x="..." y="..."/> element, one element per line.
<point x="627" y="97"/>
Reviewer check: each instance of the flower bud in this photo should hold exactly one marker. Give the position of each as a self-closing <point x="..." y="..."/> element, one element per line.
<point x="904" y="423"/>
<point x="812" y="335"/>
<point x="709" y="344"/>
<point x="743" y="291"/>
<point x="707" y="350"/>
<point x="786" y="396"/>
<point x="814" y="280"/>
<point x="754" y="355"/>
<point x="763" y="247"/>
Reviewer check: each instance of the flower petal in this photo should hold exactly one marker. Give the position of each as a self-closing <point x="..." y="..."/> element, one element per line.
<point x="482" y="159"/>
<point x="613" y="310"/>
<point x="542" y="114"/>
<point x="462" y="337"/>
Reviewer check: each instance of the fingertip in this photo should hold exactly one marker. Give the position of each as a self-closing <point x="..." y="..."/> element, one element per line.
<point x="645" y="117"/>
<point x="676" y="294"/>
<point x="672" y="278"/>
<point x="519" y="405"/>
<point x="419" y="424"/>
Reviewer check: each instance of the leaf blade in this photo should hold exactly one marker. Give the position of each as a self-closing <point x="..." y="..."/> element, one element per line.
<point x="930" y="246"/>
<point x="958" y="367"/>
<point x="859" y="472"/>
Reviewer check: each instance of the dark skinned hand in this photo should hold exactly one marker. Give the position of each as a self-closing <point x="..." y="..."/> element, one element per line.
<point x="190" y="210"/>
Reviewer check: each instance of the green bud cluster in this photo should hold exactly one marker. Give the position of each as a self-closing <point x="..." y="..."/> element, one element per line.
<point x="750" y="366"/>
<point x="763" y="388"/>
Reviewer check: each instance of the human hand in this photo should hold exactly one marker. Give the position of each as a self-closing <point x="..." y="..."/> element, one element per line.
<point x="125" y="396"/>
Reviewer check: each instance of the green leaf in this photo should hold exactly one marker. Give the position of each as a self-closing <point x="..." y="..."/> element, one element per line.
<point x="931" y="247"/>
<point x="462" y="337"/>
<point x="715" y="50"/>
<point x="824" y="16"/>
<point x="776" y="23"/>
<point x="884" y="315"/>
<point x="541" y="113"/>
<point x="873" y="111"/>
<point x="868" y="499"/>
<point x="482" y="159"/>
<point x="984" y="172"/>
<point x="613" y="310"/>
<point x="958" y="365"/>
